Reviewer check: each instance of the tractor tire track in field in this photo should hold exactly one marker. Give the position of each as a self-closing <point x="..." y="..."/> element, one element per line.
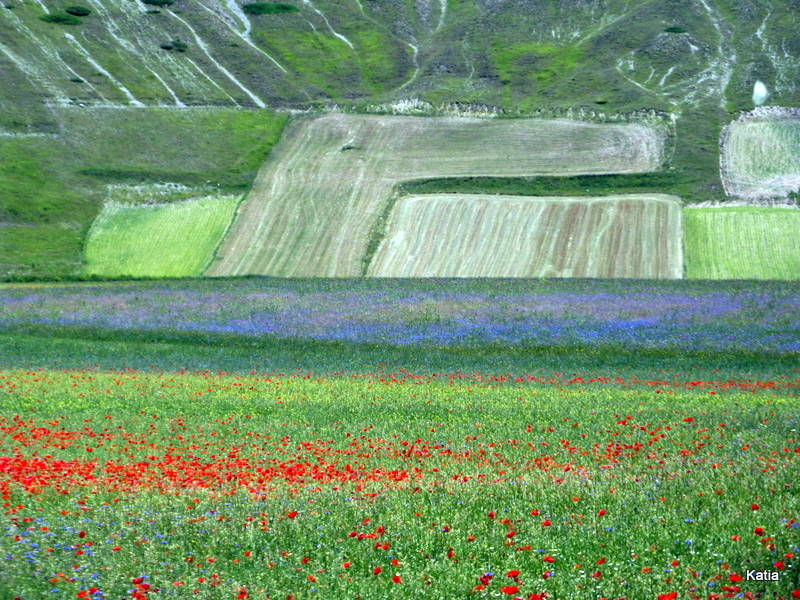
<point x="316" y="202"/>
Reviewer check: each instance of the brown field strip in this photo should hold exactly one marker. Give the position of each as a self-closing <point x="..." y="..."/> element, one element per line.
<point x="441" y="235"/>
<point x="326" y="184"/>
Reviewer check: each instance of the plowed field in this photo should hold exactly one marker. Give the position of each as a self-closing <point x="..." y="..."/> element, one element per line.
<point x="761" y="154"/>
<point x="325" y="186"/>
<point x="514" y="236"/>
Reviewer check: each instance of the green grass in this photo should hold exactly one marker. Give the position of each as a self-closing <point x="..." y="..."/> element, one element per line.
<point x="223" y="146"/>
<point x="589" y="185"/>
<point x="52" y="188"/>
<point x="171" y="240"/>
<point x="647" y="489"/>
<point x="742" y="243"/>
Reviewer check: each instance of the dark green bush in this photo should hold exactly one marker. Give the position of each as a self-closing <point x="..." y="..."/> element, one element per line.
<point x="61" y="19"/>
<point x="268" y="8"/>
<point x="177" y="44"/>
<point x="159" y="2"/>
<point x="78" y="11"/>
<point x="675" y="30"/>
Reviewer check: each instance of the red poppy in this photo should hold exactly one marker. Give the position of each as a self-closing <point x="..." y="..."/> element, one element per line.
<point x="513" y="573"/>
<point x="509" y="589"/>
<point x="601" y="512"/>
<point x="758" y="531"/>
<point x="376" y="571"/>
<point x="735" y="577"/>
<point x="346" y="565"/>
<point x="546" y="523"/>
<point x="292" y="514"/>
<point x="754" y="506"/>
<point x="396" y="579"/>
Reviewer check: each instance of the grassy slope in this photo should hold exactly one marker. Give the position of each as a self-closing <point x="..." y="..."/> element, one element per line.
<point x="742" y="243"/>
<point x="173" y="240"/>
<point x="51" y="188"/>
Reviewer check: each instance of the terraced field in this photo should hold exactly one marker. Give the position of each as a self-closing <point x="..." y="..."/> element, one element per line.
<point x="165" y="240"/>
<point x="323" y="192"/>
<point x="636" y="236"/>
<point x="761" y="154"/>
<point x="742" y="243"/>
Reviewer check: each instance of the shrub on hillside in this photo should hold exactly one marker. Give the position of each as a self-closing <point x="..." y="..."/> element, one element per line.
<point x="159" y="2"/>
<point x="675" y="30"/>
<point x="61" y="19"/>
<point x="78" y="11"/>
<point x="268" y="8"/>
<point x="177" y="44"/>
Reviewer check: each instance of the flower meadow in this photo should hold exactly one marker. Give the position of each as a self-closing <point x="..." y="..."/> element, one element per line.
<point x="678" y="315"/>
<point x="149" y="484"/>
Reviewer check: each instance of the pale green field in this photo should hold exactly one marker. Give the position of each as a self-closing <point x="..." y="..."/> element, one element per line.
<point x="761" y="157"/>
<point x="163" y="240"/>
<point x="742" y="243"/>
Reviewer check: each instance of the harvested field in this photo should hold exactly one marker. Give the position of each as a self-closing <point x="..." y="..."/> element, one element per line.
<point x="742" y="243"/>
<point x="761" y="154"/>
<point x="637" y="236"/>
<point x="326" y="185"/>
<point x="162" y="240"/>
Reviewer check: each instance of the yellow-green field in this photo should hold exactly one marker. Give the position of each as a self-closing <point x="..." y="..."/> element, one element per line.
<point x="163" y="240"/>
<point x="464" y="235"/>
<point x="742" y="243"/>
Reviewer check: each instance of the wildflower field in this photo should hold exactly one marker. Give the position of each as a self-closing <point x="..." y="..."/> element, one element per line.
<point x="148" y="485"/>
<point x="662" y="464"/>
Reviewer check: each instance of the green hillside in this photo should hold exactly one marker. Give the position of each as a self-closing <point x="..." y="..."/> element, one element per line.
<point x="52" y="186"/>
<point x="195" y="92"/>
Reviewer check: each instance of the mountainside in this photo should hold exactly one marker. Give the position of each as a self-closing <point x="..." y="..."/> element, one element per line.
<point x="102" y="98"/>
<point x="516" y="54"/>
